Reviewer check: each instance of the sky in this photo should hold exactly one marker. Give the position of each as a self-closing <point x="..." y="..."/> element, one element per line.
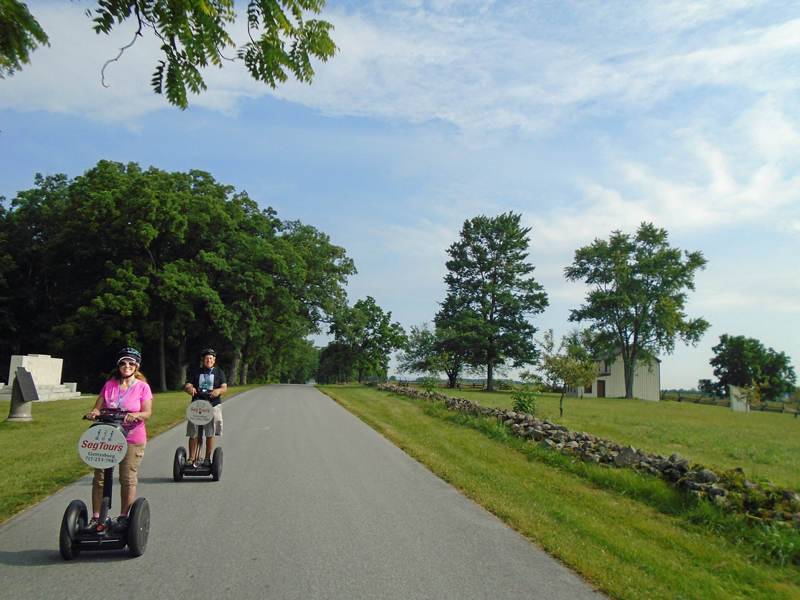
<point x="584" y="117"/>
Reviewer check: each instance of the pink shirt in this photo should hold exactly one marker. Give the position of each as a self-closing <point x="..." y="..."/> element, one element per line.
<point x="131" y="400"/>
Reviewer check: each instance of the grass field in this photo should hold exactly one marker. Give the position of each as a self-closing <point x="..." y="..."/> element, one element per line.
<point x="766" y="445"/>
<point x="631" y="536"/>
<point x="41" y="457"/>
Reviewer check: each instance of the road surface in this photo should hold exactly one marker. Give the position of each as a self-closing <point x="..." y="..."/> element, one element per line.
<point x="312" y="504"/>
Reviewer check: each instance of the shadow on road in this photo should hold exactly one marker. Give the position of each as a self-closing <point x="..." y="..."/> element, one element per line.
<point x="41" y="558"/>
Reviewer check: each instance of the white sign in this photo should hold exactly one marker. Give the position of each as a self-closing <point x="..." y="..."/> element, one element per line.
<point x="200" y="412"/>
<point x="102" y="446"/>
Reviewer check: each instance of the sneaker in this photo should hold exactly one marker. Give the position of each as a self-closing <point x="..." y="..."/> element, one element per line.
<point x="91" y="526"/>
<point x="121" y="524"/>
<point x="207" y="462"/>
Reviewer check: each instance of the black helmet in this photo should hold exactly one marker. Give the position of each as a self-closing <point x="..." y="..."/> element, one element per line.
<point x="130" y="353"/>
<point x="208" y="351"/>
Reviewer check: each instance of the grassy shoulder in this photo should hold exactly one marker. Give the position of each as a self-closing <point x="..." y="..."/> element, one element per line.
<point x="766" y="445"/>
<point x="40" y="457"/>
<point x="631" y="536"/>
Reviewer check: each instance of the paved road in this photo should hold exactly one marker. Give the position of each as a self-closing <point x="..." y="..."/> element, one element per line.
<point x="312" y="504"/>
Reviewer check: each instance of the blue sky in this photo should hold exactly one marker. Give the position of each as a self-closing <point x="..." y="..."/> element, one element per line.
<point x="585" y="117"/>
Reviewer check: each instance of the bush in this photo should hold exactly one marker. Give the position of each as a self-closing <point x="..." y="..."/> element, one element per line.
<point x="524" y="400"/>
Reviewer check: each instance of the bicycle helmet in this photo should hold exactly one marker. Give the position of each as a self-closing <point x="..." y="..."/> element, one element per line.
<point x="208" y="351"/>
<point x="131" y="354"/>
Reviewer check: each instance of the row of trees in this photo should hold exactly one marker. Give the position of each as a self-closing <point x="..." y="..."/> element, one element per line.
<point x="635" y="304"/>
<point x="169" y="263"/>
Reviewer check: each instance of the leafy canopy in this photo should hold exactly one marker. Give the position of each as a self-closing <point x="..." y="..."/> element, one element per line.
<point x="746" y="363"/>
<point x="491" y="294"/>
<point x="193" y="35"/>
<point x="365" y="337"/>
<point x="638" y="290"/>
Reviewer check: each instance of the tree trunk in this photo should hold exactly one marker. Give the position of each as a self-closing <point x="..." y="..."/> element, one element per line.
<point x="629" y="373"/>
<point x="180" y="371"/>
<point x="162" y="355"/>
<point x="561" y="401"/>
<point x="489" y="382"/>
<point x="245" y="364"/>
<point x="452" y="379"/>
<point x="234" y="374"/>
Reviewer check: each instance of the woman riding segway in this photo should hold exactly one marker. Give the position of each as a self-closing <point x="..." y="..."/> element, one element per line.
<point x="118" y="436"/>
<point x="126" y="390"/>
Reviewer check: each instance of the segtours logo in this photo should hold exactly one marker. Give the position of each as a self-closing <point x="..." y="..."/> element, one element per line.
<point x="200" y="412"/>
<point x="102" y="446"/>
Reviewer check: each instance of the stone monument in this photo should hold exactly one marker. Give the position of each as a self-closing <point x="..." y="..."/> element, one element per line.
<point x="739" y="401"/>
<point x="46" y="374"/>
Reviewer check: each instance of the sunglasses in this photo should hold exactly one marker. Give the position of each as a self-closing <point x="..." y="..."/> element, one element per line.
<point x="127" y="363"/>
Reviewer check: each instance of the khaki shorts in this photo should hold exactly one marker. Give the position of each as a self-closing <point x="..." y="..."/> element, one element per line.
<point x="211" y="429"/>
<point x="128" y="468"/>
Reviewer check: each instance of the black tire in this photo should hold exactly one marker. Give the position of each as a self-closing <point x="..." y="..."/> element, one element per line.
<point x="138" y="526"/>
<point x="216" y="464"/>
<point x="74" y="521"/>
<point x="178" y="463"/>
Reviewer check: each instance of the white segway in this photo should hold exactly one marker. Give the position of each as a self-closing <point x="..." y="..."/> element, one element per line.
<point x="103" y="446"/>
<point x="200" y="412"/>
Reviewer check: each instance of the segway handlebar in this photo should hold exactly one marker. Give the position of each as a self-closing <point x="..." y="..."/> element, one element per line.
<point x="110" y="415"/>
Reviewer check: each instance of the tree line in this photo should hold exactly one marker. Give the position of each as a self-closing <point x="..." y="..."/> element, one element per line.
<point x="169" y="263"/>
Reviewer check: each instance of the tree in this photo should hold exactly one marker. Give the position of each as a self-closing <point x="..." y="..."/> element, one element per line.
<point x="193" y="35"/>
<point x="745" y="362"/>
<point x="638" y="292"/>
<point x="490" y="294"/>
<point x="429" y="352"/>
<point x="367" y="337"/>
<point x="20" y="34"/>
<point x="569" y="365"/>
<point x="420" y="354"/>
<point x="167" y="262"/>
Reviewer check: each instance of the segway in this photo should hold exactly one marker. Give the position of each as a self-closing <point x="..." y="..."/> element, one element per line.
<point x="103" y="446"/>
<point x="198" y="412"/>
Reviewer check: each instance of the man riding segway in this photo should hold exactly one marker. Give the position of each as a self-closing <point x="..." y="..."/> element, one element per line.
<point x="206" y="383"/>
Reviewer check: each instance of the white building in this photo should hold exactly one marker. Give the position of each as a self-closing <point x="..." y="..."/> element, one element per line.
<point x="610" y="381"/>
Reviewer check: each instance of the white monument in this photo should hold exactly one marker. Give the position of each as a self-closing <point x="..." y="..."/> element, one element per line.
<point x="46" y="373"/>
<point x="739" y="401"/>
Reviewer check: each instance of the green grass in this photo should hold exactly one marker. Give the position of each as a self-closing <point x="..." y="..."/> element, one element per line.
<point x="765" y="445"/>
<point x="41" y="457"/>
<point x="630" y="535"/>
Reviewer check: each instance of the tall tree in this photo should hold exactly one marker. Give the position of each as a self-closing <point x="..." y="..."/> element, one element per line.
<point x="637" y="294"/>
<point x="368" y="337"/>
<point x="745" y="362"/>
<point x="193" y="35"/>
<point x="491" y="294"/>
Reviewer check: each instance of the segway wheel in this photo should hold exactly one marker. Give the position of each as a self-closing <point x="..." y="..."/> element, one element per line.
<point x="138" y="526"/>
<point x="178" y="463"/>
<point x="216" y="464"/>
<point x="74" y="521"/>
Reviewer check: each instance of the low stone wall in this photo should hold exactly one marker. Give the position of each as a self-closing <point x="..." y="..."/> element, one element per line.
<point x="729" y="489"/>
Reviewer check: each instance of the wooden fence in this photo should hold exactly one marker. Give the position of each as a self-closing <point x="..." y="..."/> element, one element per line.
<point x="780" y="407"/>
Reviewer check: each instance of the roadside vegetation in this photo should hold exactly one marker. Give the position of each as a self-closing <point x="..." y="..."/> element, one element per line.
<point x="766" y="445"/>
<point x="630" y="535"/>
<point x="41" y="457"/>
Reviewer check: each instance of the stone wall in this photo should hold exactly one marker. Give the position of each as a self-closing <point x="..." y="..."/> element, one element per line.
<point x="729" y="489"/>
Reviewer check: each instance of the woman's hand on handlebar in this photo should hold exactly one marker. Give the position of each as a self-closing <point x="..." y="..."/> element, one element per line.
<point x="92" y="415"/>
